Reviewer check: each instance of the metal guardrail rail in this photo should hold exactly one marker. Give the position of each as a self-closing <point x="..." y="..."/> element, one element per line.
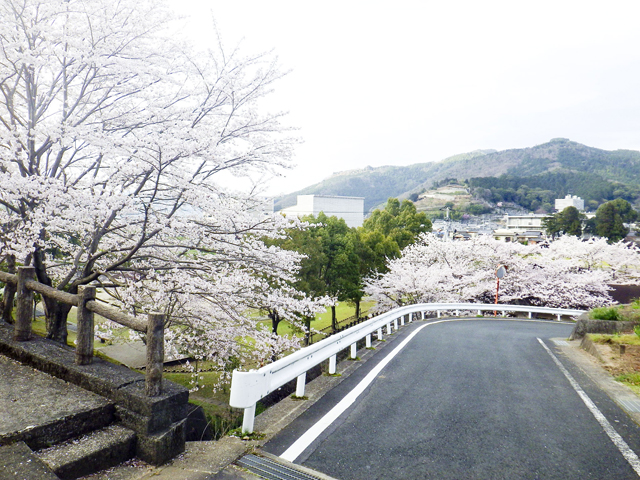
<point x="247" y="388"/>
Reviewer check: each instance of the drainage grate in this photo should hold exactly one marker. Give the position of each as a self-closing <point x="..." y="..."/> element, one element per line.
<point x="272" y="470"/>
<point x="630" y="405"/>
<point x="561" y="343"/>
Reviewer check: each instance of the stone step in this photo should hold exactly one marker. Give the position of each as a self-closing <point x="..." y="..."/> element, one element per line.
<point x="90" y="453"/>
<point x="18" y="462"/>
<point x="42" y="410"/>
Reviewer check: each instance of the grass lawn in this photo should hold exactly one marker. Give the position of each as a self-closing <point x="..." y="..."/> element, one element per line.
<point x="323" y="320"/>
<point x="222" y="418"/>
<point x="40" y="328"/>
<point x="621" y="339"/>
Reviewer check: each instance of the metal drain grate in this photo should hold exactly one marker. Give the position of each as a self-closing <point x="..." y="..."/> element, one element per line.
<point x="272" y="470"/>
<point x="631" y="405"/>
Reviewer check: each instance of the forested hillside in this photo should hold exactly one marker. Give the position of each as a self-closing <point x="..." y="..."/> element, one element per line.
<point x="532" y="177"/>
<point x="376" y="185"/>
<point x="540" y="191"/>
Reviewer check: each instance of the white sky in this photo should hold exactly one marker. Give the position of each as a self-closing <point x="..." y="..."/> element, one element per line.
<point x="401" y="82"/>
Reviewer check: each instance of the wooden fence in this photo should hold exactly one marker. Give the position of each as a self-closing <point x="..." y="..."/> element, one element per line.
<point x="87" y="305"/>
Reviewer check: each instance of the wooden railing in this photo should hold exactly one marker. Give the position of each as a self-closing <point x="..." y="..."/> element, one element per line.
<point x="87" y="305"/>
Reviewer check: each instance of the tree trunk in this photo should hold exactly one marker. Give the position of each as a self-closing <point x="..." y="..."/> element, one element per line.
<point x="55" y="313"/>
<point x="357" y="309"/>
<point x="334" y="322"/>
<point x="275" y="321"/>
<point x="56" y="319"/>
<point x="9" y="292"/>
<point x="307" y="335"/>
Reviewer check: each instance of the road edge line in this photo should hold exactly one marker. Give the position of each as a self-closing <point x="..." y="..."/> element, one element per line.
<point x="614" y="436"/>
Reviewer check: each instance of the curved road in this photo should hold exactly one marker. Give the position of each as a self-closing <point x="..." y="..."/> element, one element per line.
<point x="474" y="399"/>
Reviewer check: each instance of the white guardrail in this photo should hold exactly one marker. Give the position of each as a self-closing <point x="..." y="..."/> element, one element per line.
<point x="249" y="387"/>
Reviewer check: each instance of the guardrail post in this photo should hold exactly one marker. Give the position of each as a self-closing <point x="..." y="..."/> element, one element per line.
<point x="395" y="324"/>
<point x="559" y="317"/>
<point x="155" y="355"/>
<point x="84" y="341"/>
<point x="423" y="314"/>
<point x="332" y="365"/>
<point x="24" y="310"/>
<point x="402" y="320"/>
<point x="479" y="313"/>
<point x="354" y="351"/>
<point x="388" y="329"/>
<point x="438" y="313"/>
<point x="302" y="379"/>
<point x="457" y="313"/>
<point x="248" y="418"/>
<point x="504" y="313"/>
<point x="380" y="334"/>
<point x="368" y="341"/>
<point x="529" y="314"/>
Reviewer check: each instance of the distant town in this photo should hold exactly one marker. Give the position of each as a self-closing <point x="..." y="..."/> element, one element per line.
<point x="510" y="225"/>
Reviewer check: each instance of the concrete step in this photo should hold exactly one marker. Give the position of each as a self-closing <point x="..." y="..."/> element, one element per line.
<point x="90" y="453"/>
<point x="18" y="462"/>
<point x="42" y="410"/>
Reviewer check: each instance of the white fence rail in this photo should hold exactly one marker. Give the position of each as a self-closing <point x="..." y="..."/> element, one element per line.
<point x="247" y="388"/>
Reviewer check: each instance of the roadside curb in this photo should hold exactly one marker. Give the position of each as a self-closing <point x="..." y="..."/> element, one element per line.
<point x="621" y="394"/>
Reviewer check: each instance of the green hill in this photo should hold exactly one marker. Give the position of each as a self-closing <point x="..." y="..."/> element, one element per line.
<point x="558" y="167"/>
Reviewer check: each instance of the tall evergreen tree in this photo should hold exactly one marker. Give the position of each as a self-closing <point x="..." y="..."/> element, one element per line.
<point x="611" y="217"/>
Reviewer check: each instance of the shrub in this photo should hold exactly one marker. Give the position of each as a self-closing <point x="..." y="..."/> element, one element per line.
<point x="605" y="313"/>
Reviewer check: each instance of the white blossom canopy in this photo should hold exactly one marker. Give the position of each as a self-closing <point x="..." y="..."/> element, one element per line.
<point x="568" y="273"/>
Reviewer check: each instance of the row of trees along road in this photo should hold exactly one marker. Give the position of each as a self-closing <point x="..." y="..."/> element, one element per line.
<point x="338" y="259"/>
<point x="566" y="273"/>
<point x="119" y="144"/>
<point x="609" y="221"/>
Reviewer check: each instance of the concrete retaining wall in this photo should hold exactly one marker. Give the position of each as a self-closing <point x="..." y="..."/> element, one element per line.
<point x="586" y="325"/>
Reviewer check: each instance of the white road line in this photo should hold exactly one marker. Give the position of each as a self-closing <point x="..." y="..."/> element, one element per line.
<point x="307" y="438"/>
<point x="617" y="440"/>
<point x="299" y="446"/>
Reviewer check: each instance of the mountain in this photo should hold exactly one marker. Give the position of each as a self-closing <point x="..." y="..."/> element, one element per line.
<point x="378" y="184"/>
<point x="558" y="158"/>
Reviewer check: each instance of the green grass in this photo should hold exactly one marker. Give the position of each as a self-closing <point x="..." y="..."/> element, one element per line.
<point x="620" y="339"/>
<point x="323" y="320"/>
<point x="605" y="313"/>
<point x="632" y="380"/>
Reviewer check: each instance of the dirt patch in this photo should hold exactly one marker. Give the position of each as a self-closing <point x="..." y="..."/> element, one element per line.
<point x="619" y="359"/>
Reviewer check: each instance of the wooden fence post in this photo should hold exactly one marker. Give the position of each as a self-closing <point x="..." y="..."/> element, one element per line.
<point x="24" y="310"/>
<point x="84" y="341"/>
<point x="155" y="354"/>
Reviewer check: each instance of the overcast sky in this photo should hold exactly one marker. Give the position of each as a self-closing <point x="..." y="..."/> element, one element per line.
<point x="401" y="82"/>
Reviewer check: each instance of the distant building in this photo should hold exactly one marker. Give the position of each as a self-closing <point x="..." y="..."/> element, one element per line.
<point x="351" y="209"/>
<point x="524" y="223"/>
<point x="569" y="201"/>
<point x="531" y="237"/>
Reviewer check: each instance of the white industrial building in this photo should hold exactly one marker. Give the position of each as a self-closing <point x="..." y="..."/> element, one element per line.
<point x="524" y="223"/>
<point x="569" y="201"/>
<point x="351" y="209"/>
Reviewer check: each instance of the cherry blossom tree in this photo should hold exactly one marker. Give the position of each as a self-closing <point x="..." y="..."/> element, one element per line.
<point x="119" y="149"/>
<point x="569" y="273"/>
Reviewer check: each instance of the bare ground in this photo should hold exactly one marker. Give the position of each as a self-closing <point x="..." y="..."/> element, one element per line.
<point x="617" y="363"/>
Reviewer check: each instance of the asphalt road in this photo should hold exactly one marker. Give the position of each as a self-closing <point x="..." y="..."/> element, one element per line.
<point x="469" y="400"/>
